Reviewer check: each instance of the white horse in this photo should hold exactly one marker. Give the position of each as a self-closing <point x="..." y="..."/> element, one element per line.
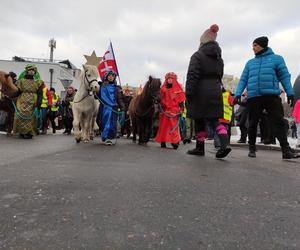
<point x="85" y="106"/>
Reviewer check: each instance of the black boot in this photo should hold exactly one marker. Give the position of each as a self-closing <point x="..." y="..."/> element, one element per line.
<point x="289" y="153"/>
<point x="224" y="149"/>
<point x="252" y="151"/>
<point x="175" y="145"/>
<point x="27" y="136"/>
<point x="186" y="140"/>
<point x="199" y="150"/>
<point x="163" y="145"/>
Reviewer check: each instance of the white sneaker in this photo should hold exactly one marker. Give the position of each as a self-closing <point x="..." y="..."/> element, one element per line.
<point x="108" y="142"/>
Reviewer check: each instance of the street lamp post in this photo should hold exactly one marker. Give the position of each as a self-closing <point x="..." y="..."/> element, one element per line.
<point x="51" y="77"/>
<point x="52" y="45"/>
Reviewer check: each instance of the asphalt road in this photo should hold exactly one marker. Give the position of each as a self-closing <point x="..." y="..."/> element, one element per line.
<point x="55" y="194"/>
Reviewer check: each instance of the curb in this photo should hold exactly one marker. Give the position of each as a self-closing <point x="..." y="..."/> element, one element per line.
<point x="261" y="146"/>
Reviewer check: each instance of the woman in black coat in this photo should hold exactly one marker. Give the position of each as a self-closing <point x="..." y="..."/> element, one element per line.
<point x="204" y="92"/>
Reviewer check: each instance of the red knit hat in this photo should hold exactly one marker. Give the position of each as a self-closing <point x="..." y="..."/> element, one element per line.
<point x="210" y="34"/>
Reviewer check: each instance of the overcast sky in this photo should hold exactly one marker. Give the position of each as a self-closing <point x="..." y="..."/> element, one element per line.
<point x="149" y="37"/>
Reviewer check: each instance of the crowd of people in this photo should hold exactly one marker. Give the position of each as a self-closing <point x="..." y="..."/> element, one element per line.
<point x="36" y="106"/>
<point x="205" y="109"/>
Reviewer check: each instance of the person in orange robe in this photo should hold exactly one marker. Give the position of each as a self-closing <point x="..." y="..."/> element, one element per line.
<point x="172" y="98"/>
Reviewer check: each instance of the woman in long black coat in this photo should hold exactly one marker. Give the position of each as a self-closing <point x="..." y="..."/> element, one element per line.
<point x="204" y="92"/>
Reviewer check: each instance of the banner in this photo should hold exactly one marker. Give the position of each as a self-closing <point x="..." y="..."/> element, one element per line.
<point x="108" y="62"/>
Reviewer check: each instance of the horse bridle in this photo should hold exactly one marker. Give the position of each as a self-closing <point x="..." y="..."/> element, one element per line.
<point x="152" y="94"/>
<point x="89" y="89"/>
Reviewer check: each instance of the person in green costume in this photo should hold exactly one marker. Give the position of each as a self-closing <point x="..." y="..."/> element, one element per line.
<point x="29" y="94"/>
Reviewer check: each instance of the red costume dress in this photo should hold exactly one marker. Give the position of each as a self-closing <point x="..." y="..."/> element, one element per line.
<point x="170" y="98"/>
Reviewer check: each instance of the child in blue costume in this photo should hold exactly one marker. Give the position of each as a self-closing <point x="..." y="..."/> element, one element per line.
<point x="111" y="97"/>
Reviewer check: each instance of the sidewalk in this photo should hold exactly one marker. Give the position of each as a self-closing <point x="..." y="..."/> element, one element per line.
<point x="292" y="142"/>
<point x="236" y="136"/>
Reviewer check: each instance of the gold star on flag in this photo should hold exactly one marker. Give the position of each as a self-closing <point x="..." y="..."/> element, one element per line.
<point x="93" y="59"/>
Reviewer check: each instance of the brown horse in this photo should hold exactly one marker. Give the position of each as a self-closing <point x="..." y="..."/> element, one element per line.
<point x="7" y="88"/>
<point x="141" y="110"/>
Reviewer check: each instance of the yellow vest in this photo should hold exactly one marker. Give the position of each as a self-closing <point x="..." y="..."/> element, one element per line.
<point x="227" y="107"/>
<point x="45" y="99"/>
<point x="54" y="107"/>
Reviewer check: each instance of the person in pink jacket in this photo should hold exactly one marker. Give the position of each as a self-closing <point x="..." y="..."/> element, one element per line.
<point x="296" y="115"/>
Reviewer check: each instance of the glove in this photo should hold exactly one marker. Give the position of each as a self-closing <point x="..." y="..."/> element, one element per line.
<point x="236" y="100"/>
<point x="290" y="100"/>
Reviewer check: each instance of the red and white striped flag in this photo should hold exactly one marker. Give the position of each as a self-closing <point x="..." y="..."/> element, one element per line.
<point x="108" y="62"/>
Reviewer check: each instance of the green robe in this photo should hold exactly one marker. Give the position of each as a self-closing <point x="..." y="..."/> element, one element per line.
<point x="26" y="103"/>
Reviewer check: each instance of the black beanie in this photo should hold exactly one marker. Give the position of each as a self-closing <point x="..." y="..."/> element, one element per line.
<point x="262" y="41"/>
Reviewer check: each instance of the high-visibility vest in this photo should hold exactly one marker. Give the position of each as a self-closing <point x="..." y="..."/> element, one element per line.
<point x="45" y="99"/>
<point x="184" y="111"/>
<point x="54" y="107"/>
<point x="227" y="107"/>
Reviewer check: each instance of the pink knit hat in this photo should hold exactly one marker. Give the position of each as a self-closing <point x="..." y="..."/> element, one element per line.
<point x="210" y="34"/>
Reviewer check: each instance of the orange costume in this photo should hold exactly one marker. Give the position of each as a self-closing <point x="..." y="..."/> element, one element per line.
<point x="172" y="98"/>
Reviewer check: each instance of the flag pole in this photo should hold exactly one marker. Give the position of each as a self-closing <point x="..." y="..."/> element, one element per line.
<point x="116" y="62"/>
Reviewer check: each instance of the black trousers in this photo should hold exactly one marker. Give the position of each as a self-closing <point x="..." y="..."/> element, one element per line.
<point x="52" y="115"/>
<point x="68" y="121"/>
<point x="201" y="125"/>
<point x="243" y="124"/>
<point x="274" y="108"/>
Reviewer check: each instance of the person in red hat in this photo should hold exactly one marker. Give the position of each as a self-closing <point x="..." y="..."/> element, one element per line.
<point x="172" y="98"/>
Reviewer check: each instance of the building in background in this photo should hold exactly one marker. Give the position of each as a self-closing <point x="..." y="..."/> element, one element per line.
<point x="57" y="74"/>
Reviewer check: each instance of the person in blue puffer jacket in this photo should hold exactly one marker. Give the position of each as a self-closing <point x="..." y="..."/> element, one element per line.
<point x="261" y="77"/>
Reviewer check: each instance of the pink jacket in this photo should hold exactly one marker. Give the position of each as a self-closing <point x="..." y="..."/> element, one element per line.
<point x="296" y="111"/>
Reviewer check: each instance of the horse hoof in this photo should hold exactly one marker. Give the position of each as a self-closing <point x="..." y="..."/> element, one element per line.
<point x="86" y="141"/>
<point x="78" y="140"/>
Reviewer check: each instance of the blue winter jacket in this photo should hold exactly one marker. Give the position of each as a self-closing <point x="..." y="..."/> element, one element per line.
<point x="262" y="75"/>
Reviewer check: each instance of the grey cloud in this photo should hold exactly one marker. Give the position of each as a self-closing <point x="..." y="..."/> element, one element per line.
<point x="148" y="36"/>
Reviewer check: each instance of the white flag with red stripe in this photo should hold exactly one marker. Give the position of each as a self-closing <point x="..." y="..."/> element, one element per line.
<point x="108" y="62"/>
